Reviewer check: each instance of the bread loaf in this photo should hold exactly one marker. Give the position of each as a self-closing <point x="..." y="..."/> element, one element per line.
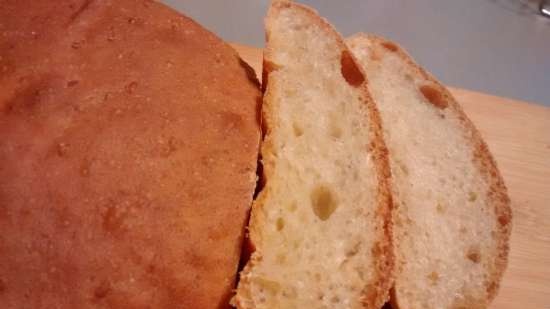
<point x="452" y="216"/>
<point x="320" y="225"/>
<point x="128" y="146"/>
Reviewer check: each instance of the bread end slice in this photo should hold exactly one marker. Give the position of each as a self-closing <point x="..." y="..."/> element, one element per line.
<point x="452" y="212"/>
<point x="321" y="224"/>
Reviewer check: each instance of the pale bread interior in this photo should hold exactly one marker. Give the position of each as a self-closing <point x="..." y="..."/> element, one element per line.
<point x="445" y="226"/>
<point x="314" y="224"/>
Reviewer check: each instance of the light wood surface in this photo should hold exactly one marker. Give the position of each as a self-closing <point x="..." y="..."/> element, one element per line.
<point x="518" y="135"/>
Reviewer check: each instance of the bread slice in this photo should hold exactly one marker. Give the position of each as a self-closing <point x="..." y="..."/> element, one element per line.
<point x="321" y="223"/>
<point x="452" y="214"/>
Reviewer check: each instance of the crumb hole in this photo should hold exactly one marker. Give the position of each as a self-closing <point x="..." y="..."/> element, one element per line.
<point x="334" y="128"/>
<point x="353" y="250"/>
<point x="473" y="254"/>
<point x="440" y="209"/>
<point x="280" y="224"/>
<point x="297" y="129"/>
<point x="350" y="71"/>
<point x="390" y="46"/>
<point x="323" y="202"/>
<point x="472" y="196"/>
<point x="433" y="277"/>
<point x="292" y="207"/>
<point x="434" y="96"/>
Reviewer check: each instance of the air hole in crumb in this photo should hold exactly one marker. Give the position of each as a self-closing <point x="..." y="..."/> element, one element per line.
<point x="434" y="96"/>
<point x="323" y="202"/>
<point x="297" y="129"/>
<point x="472" y="196"/>
<point x="292" y="207"/>
<point x="473" y="254"/>
<point x="334" y="129"/>
<point x="433" y="277"/>
<point x="280" y="224"/>
<point x="440" y="208"/>
<point x="390" y="46"/>
<point x="353" y="250"/>
<point x="350" y="71"/>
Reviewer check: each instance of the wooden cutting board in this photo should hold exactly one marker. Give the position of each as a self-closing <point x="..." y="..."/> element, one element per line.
<point x="518" y="135"/>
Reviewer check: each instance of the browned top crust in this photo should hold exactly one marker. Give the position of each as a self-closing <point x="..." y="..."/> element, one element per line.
<point x="128" y="144"/>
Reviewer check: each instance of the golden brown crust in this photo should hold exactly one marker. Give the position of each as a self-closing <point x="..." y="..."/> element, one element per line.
<point x="128" y="137"/>
<point x="497" y="194"/>
<point x="376" y="294"/>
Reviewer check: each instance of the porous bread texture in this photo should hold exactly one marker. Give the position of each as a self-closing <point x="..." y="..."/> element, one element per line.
<point x="452" y="214"/>
<point x="320" y="226"/>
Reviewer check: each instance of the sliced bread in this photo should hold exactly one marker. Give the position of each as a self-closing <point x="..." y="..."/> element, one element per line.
<point x="320" y="226"/>
<point x="452" y="217"/>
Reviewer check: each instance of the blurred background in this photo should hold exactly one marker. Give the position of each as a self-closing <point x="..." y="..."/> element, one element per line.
<point x="500" y="47"/>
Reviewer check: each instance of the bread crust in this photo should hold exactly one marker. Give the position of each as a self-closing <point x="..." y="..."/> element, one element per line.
<point x="129" y="138"/>
<point x="376" y="294"/>
<point x="497" y="192"/>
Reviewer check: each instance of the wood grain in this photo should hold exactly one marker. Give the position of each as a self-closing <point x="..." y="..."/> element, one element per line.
<point x="518" y="135"/>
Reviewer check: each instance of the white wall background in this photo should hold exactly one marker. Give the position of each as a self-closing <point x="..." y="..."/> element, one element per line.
<point x="500" y="47"/>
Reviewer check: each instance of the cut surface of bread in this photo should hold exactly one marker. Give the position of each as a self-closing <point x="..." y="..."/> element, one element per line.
<point x="452" y="217"/>
<point x="121" y="157"/>
<point x="320" y="226"/>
